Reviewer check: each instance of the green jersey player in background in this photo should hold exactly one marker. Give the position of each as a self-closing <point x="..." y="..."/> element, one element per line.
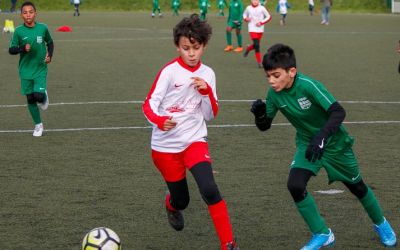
<point x="234" y="22"/>
<point x="156" y="7"/>
<point x="321" y="141"/>
<point x="33" y="42"/>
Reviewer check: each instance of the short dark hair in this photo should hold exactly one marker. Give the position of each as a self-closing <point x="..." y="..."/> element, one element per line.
<point x="195" y="29"/>
<point x="27" y="3"/>
<point x="279" y="56"/>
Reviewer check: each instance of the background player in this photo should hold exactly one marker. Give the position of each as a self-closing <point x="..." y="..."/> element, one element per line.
<point x="221" y="5"/>
<point x="256" y="15"/>
<point x="30" y="41"/>
<point x="156" y="7"/>
<point x="181" y="100"/>
<point x="203" y="5"/>
<point x="175" y="5"/>
<point x="234" y="22"/>
<point x="321" y="141"/>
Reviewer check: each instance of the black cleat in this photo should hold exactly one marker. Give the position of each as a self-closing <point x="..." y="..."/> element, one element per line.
<point x="175" y="219"/>
<point x="232" y="246"/>
<point x="246" y="53"/>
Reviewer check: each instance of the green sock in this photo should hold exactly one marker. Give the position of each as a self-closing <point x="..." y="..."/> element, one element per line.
<point x="35" y="113"/>
<point x="371" y="205"/>
<point x="309" y="211"/>
<point x="239" y="39"/>
<point x="229" y="38"/>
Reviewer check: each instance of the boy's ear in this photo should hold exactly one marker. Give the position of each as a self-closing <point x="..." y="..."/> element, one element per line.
<point x="292" y="72"/>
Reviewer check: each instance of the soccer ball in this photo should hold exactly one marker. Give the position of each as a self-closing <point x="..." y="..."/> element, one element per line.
<point x="101" y="238"/>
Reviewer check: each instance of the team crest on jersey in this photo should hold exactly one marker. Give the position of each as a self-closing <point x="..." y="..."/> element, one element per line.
<point x="304" y="103"/>
<point x="39" y="39"/>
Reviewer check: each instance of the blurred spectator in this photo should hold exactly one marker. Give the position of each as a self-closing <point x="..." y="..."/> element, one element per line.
<point x="13" y="5"/>
<point x="311" y="7"/>
<point x="325" y="9"/>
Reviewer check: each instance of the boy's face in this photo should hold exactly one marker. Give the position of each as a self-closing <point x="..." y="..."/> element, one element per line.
<point x="281" y="79"/>
<point x="255" y="2"/>
<point x="28" y="14"/>
<point x="190" y="52"/>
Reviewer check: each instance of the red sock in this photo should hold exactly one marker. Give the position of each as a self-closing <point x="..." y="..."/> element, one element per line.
<point x="220" y="217"/>
<point x="250" y="47"/>
<point x="168" y="204"/>
<point x="258" y="57"/>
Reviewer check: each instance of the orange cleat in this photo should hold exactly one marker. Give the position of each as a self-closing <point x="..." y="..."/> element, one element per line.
<point x="228" y="48"/>
<point x="238" y="49"/>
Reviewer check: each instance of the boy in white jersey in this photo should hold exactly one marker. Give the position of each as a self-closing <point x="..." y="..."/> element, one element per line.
<point x="256" y="15"/>
<point x="282" y="8"/>
<point x="182" y="98"/>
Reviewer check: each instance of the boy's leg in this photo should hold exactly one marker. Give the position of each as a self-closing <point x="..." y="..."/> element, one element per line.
<point x="202" y="172"/>
<point x="305" y="203"/>
<point x="371" y="205"/>
<point x="368" y="200"/>
<point x="33" y="109"/>
<point x="173" y="171"/>
<point x="199" y="161"/>
<point x="228" y="39"/>
<point x="239" y="38"/>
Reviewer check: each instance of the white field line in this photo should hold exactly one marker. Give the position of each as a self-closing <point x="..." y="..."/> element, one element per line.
<point x="140" y="102"/>
<point x="149" y="127"/>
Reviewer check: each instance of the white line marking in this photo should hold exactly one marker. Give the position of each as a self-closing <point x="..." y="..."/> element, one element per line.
<point x="140" y="102"/>
<point x="330" y="191"/>
<point x="149" y="127"/>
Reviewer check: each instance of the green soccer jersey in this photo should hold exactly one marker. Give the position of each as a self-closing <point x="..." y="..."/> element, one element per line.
<point x="32" y="64"/>
<point x="305" y="105"/>
<point x="235" y="10"/>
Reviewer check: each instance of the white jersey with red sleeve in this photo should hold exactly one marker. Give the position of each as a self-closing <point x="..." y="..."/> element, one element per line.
<point x="256" y="15"/>
<point x="174" y="95"/>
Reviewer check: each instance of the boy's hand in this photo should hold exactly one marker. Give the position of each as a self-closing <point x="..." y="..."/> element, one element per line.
<point x="27" y="47"/>
<point x="316" y="148"/>
<point x="199" y="83"/>
<point x="169" y="124"/>
<point x="258" y="108"/>
<point x="247" y="19"/>
<point x="47" y="59"/>
<point x="259" y="24"/>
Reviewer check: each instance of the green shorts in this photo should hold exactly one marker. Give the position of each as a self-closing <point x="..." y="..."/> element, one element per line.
<point x="340" y="165"/>
<point x="38" y="84"/>
<point x="234" y="25"/>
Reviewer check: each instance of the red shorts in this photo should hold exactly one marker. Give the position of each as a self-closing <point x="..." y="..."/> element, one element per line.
<point x="173" y="165"/>
<point x="255" y="35"/>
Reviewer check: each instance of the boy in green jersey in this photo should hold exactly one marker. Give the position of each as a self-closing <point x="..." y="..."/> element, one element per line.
<point x="221" y="5"/>
<point x="203" y="5"/>
<point x="33" y="42"/>
<point x="175" y="5"/>
<point x="156" y="7"/>
<point x="234" y="22"/>
<point x="321" y="142"/>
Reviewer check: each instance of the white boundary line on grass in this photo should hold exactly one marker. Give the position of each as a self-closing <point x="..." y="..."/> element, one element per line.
<point x="139" y="102"/>
<point x="149" y="127"/>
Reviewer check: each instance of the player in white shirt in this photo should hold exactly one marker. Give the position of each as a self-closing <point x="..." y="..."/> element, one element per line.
<point x="257" y="16"/>
<point x="282" y="8"/>
<point x="182" y="98"/>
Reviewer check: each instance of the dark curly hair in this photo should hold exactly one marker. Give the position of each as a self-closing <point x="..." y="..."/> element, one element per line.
<point x="195" y="29"/>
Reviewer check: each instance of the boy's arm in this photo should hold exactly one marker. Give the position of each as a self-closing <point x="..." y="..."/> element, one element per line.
<point x="317" y="144"/>
<point x="15" y="48"/>
<point x="209" y="105"/>
<point x="267" y="16"/>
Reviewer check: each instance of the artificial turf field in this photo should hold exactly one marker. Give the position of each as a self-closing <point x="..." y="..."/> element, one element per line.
<point x="93" y="168"/>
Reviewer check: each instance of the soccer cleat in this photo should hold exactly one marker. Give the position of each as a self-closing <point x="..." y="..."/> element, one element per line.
<point x="228" y="48"/>
<point x="175" y="219"/>
<point x="44" y="105"/>
<point x="246" y="52"/>
<point x="386" y="234"/>
<point x="320" y="240"/>
<point x="230" y="246"/>
<point x="152" y="14"/>
<point x="38" y="130"/>
<point x="238" y="49"/>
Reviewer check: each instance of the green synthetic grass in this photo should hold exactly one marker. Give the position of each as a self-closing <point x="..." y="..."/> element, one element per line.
<point x="56" y="188"/>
